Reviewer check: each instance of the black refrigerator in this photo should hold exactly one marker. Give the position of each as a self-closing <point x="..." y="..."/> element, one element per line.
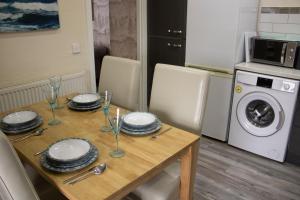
<point x="166" y="23"/>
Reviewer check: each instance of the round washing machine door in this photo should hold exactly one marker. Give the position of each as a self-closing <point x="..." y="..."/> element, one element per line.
<point x="260" y="114"/>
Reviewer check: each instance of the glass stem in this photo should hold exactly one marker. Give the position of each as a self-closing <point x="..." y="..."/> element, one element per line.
<point x="106" y="118"/>
<point x="53" y="115"/>
<point x="117" y="139"/>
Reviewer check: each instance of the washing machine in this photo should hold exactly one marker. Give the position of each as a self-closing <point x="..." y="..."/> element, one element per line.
<point x="262" y="113"/>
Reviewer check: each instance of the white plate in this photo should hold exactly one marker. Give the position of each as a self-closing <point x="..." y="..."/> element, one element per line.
<point x="86" y="98"/>
<point x="139" y="119"/>
<point x="22" y="129"/>
<point x="19" y="117"/>
<point x="69" y="149"/>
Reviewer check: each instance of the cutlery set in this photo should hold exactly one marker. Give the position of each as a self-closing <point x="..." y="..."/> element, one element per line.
<point x="34" y="133"/>
<point x="160" y="133"/>
<point x="96" y="170"/>
<point x="40" y="152"/>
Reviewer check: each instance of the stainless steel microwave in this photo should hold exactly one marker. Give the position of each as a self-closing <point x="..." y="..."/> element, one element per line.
<point x="275" y="52"/>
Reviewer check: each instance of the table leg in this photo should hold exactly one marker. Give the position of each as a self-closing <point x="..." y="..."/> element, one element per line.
<point x="188" y="172"/>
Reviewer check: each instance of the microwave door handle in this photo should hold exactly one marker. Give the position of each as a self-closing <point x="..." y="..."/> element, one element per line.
<point x="283" y="50"/>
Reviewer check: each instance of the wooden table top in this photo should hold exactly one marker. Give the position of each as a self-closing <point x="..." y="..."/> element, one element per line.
<point x="145" y="157"/>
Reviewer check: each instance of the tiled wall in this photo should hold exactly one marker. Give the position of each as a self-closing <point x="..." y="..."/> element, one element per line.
<point x="279" y="22"/>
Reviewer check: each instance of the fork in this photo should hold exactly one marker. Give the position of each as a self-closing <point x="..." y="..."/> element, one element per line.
<point x="156" y="135"/>
<point x="36" y="133"/>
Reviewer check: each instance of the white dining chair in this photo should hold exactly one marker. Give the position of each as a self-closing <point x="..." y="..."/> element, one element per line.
<point x="15" y="184"/>
<point x="121" y="76"/>
<point x="178" y="97"/>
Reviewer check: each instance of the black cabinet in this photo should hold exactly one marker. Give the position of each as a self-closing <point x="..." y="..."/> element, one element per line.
<point x="167" y="17"/>
<point x="166" y="34"/>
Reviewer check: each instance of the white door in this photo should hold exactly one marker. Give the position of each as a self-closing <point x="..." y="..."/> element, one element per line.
<point x="260" y="114"/>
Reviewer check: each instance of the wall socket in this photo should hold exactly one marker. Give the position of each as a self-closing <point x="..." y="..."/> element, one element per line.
<point x="75" y="48"/>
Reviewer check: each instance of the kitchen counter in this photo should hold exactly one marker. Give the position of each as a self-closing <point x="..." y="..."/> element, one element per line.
<point x="269" y="70"/>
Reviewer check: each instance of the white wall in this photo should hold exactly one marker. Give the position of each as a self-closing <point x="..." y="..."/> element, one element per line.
<point x="36" y="55"/>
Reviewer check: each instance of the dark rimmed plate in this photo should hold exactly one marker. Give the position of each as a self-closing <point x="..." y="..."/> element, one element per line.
<point x="86" y="99"/>
<point x="21" y="129"/>
<point x="141" y="131"/>
<point x="74" y="106"/>
<point x="19" y="118"/>
<point x="69" y="168"/>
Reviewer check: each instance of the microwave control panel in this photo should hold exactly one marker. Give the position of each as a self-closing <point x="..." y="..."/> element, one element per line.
<point x="290" y="54"/>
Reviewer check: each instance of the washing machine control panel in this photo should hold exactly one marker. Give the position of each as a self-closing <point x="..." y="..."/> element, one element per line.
<point x="274" y="83"/>
<point x="288" y="86"/>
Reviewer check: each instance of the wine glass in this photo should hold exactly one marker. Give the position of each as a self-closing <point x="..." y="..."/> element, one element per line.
<point x="106" y="98"/>
<point x="55" y="82"/>
<point x="51" y="96"/>
<point x="116" y="123"/>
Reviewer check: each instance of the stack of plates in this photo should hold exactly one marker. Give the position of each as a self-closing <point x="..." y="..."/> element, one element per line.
<point x="69" y="155"/>
<point x="19" y="122"/>
<point x="140" y="123"/>
<point x="84" y="102"/>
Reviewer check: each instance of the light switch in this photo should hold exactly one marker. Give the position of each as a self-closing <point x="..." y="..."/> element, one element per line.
<point x="75" y="48"/>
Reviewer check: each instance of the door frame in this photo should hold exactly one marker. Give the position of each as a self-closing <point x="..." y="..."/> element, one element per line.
<point x="141" y="8"/>
<point x="90" y="39"/>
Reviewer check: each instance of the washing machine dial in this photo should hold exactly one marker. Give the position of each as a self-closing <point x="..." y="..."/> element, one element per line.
<point x="288" y="86"/>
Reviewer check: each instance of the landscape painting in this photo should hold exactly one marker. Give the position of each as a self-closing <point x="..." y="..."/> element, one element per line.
<point x="28" y="15"/>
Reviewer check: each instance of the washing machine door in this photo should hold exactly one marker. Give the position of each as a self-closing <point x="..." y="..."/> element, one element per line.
<point x="260" y="114"/>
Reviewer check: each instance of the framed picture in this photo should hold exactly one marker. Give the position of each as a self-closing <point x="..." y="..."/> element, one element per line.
<point x="28" y="15"/>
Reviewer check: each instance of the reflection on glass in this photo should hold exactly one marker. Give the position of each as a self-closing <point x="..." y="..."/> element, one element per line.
<point x="51" y="96"/>
<point x="116" y="123"/>
<point x="55" y="82"/>
<point x="106" y="98"/>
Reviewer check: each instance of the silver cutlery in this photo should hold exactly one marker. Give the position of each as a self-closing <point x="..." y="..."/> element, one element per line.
<point x="68" y="99"/>
<point x="96" y="170"/>
<point x="16" y="138"/>
<point x="40" y="152"/>
<point x="36" y="133"/>
<point x="155" y="136"/>
<point x="95" y="110"/>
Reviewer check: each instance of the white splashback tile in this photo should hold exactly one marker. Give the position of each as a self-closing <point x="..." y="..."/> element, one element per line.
<point x="286" y="28"/>
<point x="265" y="27"/>
<point x="294" y="19"/>
<point x="274" y="18"/>
<point x="279" y="19"/>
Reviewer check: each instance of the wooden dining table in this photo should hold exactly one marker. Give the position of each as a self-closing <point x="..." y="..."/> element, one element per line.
<point x="144" y="158"/>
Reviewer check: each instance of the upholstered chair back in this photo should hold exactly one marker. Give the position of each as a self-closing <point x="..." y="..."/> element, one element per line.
<point x="121" y="76"/>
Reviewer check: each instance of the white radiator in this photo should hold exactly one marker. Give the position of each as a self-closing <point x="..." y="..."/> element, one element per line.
<point x="26" y="94"/>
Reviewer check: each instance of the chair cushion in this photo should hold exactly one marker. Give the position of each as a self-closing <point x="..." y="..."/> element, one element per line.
<point x="44" y="189"/>
<point x="161" y="187"/>
<point x="173" y="169"/>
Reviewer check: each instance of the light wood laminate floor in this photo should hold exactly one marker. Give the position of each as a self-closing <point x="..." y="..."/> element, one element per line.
<point x="228" y="173"/>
